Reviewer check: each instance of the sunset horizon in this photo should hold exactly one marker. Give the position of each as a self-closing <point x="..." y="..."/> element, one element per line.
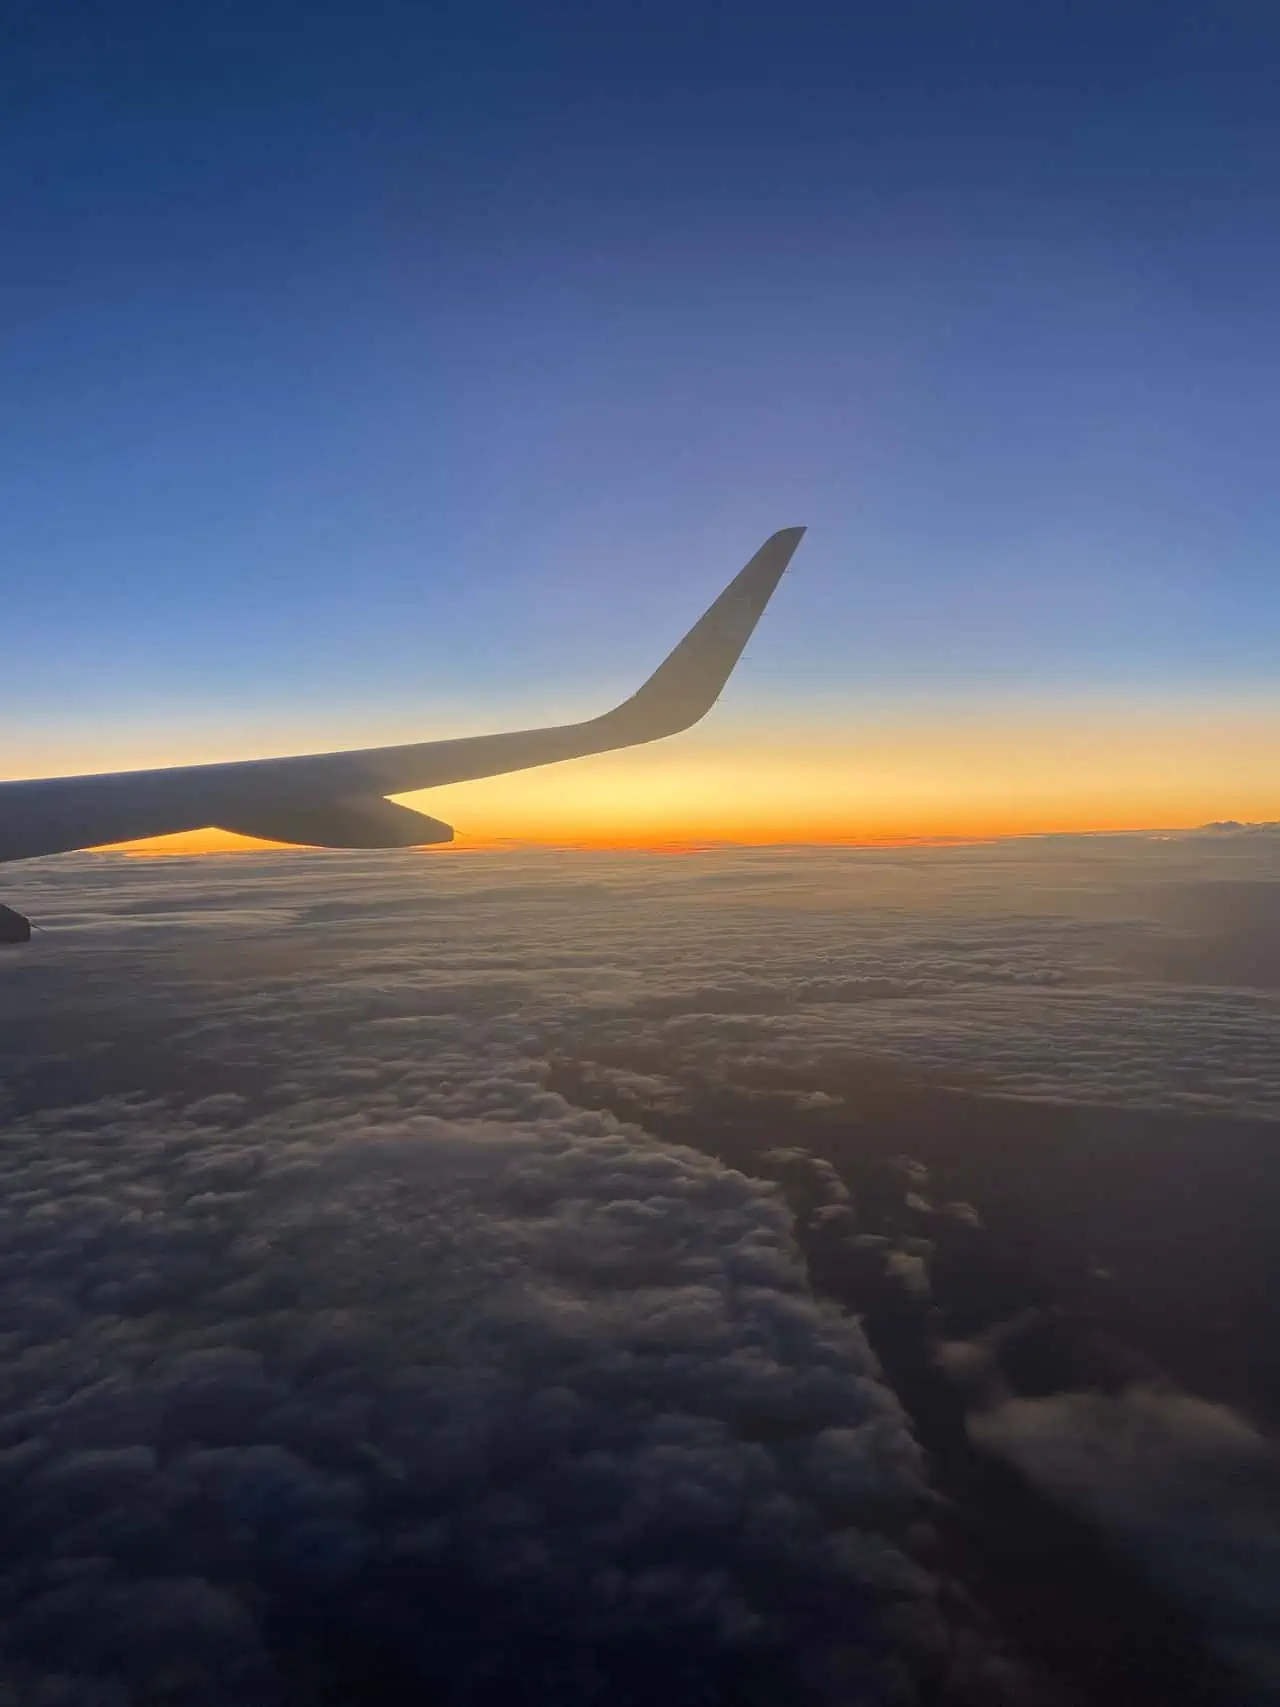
<point x="204" y="842"/>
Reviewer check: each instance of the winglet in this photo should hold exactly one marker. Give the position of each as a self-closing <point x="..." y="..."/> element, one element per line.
<point x="690" y="680"/>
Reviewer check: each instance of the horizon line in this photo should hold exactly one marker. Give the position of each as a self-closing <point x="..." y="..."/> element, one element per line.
<point x="165" y="848"/>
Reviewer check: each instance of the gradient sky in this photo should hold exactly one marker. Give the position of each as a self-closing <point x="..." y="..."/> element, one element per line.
<point x="378" y="371"/>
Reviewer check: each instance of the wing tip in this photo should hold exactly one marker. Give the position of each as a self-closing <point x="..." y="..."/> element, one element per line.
<point x="762" y="574"/>
<point x="690" y="680"/>
<point x="775" y="555"/>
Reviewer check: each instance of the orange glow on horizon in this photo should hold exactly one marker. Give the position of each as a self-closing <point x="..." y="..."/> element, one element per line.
<point x="974" y="781"/>
<point x="207" y="842"/>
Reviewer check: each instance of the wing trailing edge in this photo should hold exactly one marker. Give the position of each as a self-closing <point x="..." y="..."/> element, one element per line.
<point x="369" y="823"/>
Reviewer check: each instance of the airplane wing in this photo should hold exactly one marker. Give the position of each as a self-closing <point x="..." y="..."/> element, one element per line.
<point x="339" y="799"/>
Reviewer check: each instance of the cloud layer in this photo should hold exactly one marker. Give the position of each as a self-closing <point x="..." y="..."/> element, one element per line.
<point x="374" y="1369"/>
<point x="343" y="1360"/>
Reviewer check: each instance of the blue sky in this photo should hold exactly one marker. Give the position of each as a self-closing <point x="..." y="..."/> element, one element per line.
<point x="395" y="368"/>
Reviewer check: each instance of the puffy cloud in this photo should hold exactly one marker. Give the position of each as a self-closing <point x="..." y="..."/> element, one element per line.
<point x="646" y="1090"/>
<point x="910" y="1270"/>
<point x="1188" y="1489"/>
<point x="963" y="1213"/>
<point x="333" y="1396"/>
<point x="812" y="1178"/>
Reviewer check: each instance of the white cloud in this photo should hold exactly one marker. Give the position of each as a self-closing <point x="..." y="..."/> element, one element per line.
<point x="1190" y="1490"/>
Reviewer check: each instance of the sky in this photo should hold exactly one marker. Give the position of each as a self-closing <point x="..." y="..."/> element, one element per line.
<point x="375" y="373"/>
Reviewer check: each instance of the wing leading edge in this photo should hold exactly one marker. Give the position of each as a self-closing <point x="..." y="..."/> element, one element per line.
<point x="339" y="799"/>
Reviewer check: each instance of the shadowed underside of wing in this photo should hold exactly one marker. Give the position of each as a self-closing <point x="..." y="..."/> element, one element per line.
<point x="369" y="823"/>
<point x="337" y="799"/>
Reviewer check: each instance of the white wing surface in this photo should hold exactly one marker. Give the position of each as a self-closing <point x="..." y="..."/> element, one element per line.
<point x="339" y="799"/>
